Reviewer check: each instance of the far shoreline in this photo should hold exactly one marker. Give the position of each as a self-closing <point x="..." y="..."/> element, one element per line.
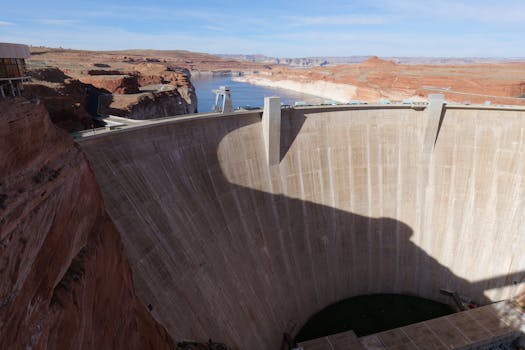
<point x="341" y="93"/>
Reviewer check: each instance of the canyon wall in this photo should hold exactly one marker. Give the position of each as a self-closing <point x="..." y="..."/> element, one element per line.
<point x="142" y="91"/>
<point x="66" y="99"/>
<point x="147" y="105"/>
<point x="66" y="282"/>
<point x="146" y="91"/>
<point x="356" y="205"/>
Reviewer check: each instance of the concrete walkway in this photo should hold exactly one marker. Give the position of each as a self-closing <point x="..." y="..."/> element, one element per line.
<point x="485" y="327"/>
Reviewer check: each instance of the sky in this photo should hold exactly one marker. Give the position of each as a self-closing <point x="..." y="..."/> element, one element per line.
<point x="284" y="28"/>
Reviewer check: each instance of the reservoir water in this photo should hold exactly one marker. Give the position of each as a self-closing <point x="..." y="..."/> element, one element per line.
<point x="243" y="94"/>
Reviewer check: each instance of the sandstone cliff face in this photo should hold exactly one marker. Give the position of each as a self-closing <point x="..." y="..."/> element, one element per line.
<point x="66" y="283"/>
<point x="143" y="91"/>
<point x="147" y="105"/>
<point x="148" y="91"/>
<point x="116" y="84"/>
<point x="177" y="77"/>
<point x="65" y="99"/>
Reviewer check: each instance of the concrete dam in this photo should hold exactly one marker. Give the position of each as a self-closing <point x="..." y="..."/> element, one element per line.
<point x="239" y="233"/>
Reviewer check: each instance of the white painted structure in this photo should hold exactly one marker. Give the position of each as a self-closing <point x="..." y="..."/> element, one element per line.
<point x="223" y="100"/>
<point x="271" y="125"/>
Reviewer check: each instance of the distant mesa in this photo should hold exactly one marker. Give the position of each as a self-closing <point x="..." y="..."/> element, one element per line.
<point x="376" y="61"/>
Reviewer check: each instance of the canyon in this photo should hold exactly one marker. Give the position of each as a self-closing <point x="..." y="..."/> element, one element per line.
<point x="66" y="282"/>
<point x="181" y="230"/>
<point x="76" y="86"/>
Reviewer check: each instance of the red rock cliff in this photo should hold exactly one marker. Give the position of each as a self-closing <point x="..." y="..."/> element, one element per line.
<point x="66" y="283"/>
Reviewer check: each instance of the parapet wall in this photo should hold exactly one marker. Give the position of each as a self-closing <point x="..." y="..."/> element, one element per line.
<point x="225" y="247"/>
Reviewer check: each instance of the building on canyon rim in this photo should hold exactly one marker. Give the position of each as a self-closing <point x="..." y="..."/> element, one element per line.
<point x="12" y="68"/>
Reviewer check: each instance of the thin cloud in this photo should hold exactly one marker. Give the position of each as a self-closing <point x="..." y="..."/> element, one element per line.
<point x="5" y="24"/>
<point x="213" y="28"/>
<point x="337" y="20"/>
<point x="57" y="21"/>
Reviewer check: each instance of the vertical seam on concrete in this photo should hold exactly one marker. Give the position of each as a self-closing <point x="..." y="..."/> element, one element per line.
<point x="333" y="261"/>
<point x="516" y="203"/>
<point x="399" y="196"/>
<point x="459" y="330"/>
<point x="329" y="342"/>
<point x="352" y="204"/>
<point x="468" y="314"/>
<point x="436" y="335"/>
<point x="405" y="333"/>
<point x="380" y="242"/>
<point x="369" y="208"/>
<point x="449" y="232"/>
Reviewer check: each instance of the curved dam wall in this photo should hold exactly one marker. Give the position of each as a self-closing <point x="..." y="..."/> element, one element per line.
<point x="225" y="247"/>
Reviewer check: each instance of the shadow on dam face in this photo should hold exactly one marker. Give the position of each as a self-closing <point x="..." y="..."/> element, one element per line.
<point x="225" y="247"/>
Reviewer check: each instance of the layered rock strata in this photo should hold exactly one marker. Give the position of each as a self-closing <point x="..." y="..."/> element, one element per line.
<point x="66" y="283"/>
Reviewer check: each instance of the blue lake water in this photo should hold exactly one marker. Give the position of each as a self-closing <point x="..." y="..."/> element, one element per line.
<point x="243" y="94"/>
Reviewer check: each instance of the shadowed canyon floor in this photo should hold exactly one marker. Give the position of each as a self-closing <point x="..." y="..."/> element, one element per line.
<point x="369" y="314"/>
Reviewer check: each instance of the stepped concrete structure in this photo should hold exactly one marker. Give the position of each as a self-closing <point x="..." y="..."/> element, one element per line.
<point x="491" y="327"/>
<point x="229" y="242"/>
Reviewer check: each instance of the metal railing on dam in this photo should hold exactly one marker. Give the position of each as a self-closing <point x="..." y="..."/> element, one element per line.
<point x="120" y="123"/>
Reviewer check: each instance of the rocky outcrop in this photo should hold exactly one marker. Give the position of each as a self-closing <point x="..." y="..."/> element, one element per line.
<point x="65" y="99"/>
<point x="146" y="91"/>
<point x="149" y="74"/>
<point x="50" y="74"/>
<point x="115" y="84"/>
<point x="148" y="105"/>
<point x="180" y="79"/>
<point x="374" y="61"/>
<point x="72" y="96"/>
<point x="104" y="72"/>
<point x="66" y="283"/>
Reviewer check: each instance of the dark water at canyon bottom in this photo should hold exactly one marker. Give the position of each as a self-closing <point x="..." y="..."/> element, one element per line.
<point x="369" y="314"/>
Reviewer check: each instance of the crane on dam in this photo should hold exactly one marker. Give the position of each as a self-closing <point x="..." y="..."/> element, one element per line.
<point x="223" y="100"/>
